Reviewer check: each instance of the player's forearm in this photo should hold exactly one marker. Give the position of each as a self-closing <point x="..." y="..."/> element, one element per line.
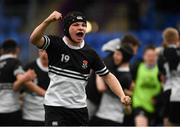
<point x="22" y="78"/>
<point x="37" y="34"/>
<point x="114" y="84"/>
<point x="36" y="37"/>
<point x="17" y="84"/>
<point x="35" y="88"/>
<point x="128" y="92"/>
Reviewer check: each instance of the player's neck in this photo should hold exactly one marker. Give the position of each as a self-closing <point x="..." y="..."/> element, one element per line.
<point x="124" y="65"/>
<point x="73" y="45"/>
<point x="45" y="65"/>
<point x="150" y="66"/>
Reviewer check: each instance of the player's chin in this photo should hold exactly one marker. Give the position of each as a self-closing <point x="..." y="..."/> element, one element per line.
<point x="78" y="40"/>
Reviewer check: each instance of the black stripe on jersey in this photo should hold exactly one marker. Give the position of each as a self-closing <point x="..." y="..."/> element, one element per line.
<point x="103" y="71"/>
<point x="65" y="75"/>
<point x="69" y="72"/>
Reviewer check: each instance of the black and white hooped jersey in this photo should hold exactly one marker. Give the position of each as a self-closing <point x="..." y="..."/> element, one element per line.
<point x="10" y="66"/>
<point x="42" y="78"/>
<point x="169" y="60"/>
<point x="69" y="69"/>
<point x="169" y="65"/>
<point x="33" y="104"/>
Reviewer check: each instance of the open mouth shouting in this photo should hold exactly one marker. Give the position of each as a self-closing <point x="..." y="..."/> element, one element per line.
<point x="80" y="34"/>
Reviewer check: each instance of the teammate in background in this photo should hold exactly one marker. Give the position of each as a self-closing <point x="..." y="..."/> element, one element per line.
<point x="169" y="65"/>
<point x="12" y="77"/>
<point x="111" y="45"/>
<point x="93" y="95"/>
<point x="33" y="110"/>
<point x="70" y="61"/>
<point x="110" y="111"/>
<point x="129" y="39"/>
<point x="147" y="88"/>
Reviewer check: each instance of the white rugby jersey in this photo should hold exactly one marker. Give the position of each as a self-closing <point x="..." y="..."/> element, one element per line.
<point x="33" y="108"/>
<point x="10" y="66"/>
<point x="69" y="69"/>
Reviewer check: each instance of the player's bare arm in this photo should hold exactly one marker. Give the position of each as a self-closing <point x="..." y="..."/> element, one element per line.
<point x="35" y="88"/>
<point x="100" y="84"/>
<point x="36" y="37"/>
<point x="25" y="79"/>
<point x="22" y="78"/>
<point x="115" y="86"/>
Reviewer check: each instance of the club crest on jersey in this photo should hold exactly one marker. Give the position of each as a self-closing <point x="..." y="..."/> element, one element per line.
<point x="85" y="64"/>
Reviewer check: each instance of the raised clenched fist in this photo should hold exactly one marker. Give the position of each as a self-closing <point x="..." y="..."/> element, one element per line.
<point x="55" y="16"/>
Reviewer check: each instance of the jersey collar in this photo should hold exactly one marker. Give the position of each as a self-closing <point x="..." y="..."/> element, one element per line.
<point x="38" y="61"/>
<point x="71" y="46"/>
<point x="172" y="46"/>
<point x="124" y="69"/>
<point x="6" y="56"/>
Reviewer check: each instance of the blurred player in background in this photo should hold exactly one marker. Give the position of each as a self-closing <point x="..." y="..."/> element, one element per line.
<point x="147" y="88"/>
<point x="169" y="65"/>
<point x="129" y="39"/>
<point x="94" y="97"/>
<point x="111" y="45"/>
<point x="70" y="61"/>
<point x="110" y="111"/>
<point x="12" y="76"/>
<point x="33" y="110"/>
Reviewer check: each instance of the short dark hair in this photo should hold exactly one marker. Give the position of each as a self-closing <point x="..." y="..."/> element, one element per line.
<point x="130" y="39"/>
<point x="149" y="47"/>
<point x="9" y="46"/>
<point x="127" y="52"/>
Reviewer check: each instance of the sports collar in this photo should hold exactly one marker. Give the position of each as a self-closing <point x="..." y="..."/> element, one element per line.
<point x="6" y="56"/>
<point x="125" y="69"/>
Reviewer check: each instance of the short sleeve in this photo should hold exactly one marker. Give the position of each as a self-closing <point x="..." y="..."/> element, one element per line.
<point x="48" y="41"/>
<point x="50" y="45"/>
<point x="98" y="66"/>
<point x="18" y="69"/>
